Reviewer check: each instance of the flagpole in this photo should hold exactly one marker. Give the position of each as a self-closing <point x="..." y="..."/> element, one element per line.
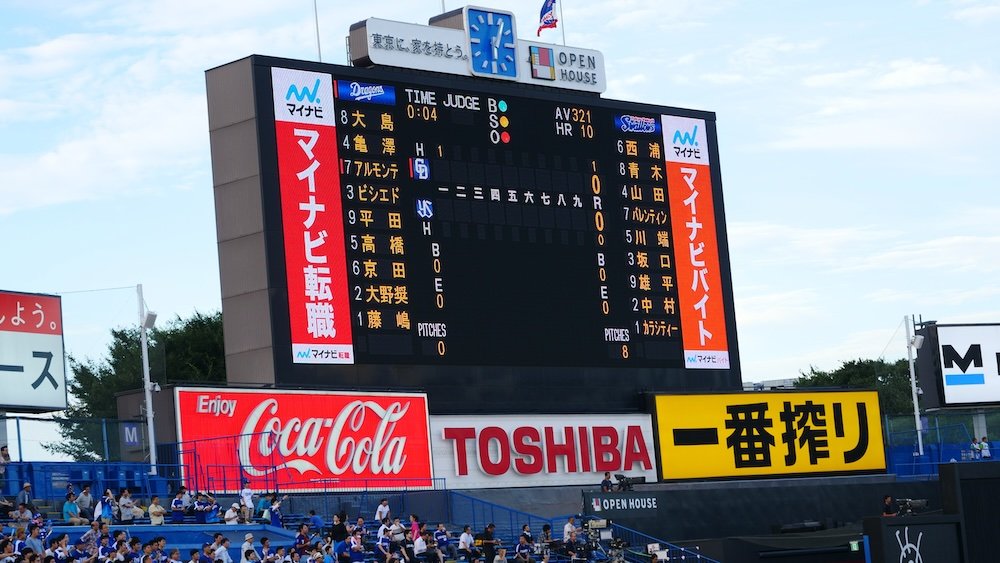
<point x="319" y="52"/>
<point x="563" y="21"/>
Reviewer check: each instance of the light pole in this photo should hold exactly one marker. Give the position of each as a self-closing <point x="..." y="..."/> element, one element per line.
<point x="146" y="321"/>
<point x="912" y="343"/>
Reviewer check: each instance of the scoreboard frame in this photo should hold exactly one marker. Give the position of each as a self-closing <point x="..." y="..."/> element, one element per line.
<point x="456" y="389"/>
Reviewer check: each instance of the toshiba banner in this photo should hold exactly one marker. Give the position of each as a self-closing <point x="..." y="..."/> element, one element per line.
<point x="302" y="441"/>
<point x="527" y="451"/>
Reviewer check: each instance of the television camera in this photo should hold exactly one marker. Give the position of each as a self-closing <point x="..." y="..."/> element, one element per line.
<point x="626" y="483"/>
<point x="911" y="506"/>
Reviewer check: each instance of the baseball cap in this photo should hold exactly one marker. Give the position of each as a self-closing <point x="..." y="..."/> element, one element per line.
<point x="248" y="537"/>
<point x="236" y="505"/>
<point x="27" y="484"/>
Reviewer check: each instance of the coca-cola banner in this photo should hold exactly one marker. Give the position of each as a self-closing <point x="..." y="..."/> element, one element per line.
<point x="300" y="441"/>
<point x="541" y="450"/>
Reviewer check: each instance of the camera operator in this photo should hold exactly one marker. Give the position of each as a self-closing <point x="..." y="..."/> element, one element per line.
<point x="606" y="486"/>
<point x="572" y="547"/>
<point x="889" y="507"/>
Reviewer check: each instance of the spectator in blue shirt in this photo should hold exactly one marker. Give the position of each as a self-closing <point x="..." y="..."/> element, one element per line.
<point x="71" y="512"/>
<point x="33" y="541"/>
<point x="177" y="509"/>
<point x="315" y="522"/>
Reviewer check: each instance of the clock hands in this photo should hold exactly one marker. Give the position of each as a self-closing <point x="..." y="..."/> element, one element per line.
<point x="495" y="42"/>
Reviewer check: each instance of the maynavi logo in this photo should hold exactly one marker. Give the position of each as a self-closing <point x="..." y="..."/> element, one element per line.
<point x="304" y="94"/>
<point x="364" y="92"/>
<point x="636" y="124"/>
<point x="686" y="138"/>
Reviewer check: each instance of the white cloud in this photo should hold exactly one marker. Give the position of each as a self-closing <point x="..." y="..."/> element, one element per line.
<point x="977" y="12"/>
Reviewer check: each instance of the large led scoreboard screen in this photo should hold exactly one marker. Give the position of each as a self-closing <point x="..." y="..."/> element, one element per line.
<point x="436" y="221"/>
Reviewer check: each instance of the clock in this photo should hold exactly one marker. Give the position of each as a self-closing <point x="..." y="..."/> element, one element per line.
<point x="492" y="42"/>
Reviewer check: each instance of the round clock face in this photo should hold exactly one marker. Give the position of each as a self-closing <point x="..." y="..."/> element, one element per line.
<point x="493" y="43"/>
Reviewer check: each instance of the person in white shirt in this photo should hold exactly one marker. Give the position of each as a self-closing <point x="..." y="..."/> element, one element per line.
<point x="248" y="546"/>
<point x="984" y="449"/>
<point x="382" y="511"/>
<point x="569" y="528"/>
<point x="420" y="546"/>
<point x="467" y="544"/>
<point x="156" y="511"/>
<point x="246" y="502"/>
<point x="232" y="516"/>
<point x="222" y="552"/>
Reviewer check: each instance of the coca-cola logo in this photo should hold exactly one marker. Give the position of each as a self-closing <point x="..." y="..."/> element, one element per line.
<point x="342" y="440"/>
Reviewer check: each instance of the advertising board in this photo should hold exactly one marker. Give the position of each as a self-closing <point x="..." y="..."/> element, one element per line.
<point x="760" y="434"/>
<point x="473" y="452"/>
<point x="300" y="441"/>
<point x="31" y="352"/>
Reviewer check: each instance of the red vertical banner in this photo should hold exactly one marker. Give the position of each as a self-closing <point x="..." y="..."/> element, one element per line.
<point x="312" y="217"/>
<point x="696" y="243"/>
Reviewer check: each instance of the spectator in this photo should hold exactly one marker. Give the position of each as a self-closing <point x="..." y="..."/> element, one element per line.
<point x="406" y="549"/>
<point x="232" y="516"/>
<point x="984" y="449"/>
<point x="156" y="511"/>
<point x="201" y="508"/>
<point x="357" y="550"/>
<point x="86" y="502"/>
<point x="248" y="547"/>
<point x="976" y="452"/>
<point x="338" y="532"/>
<point x="420" y="548"/>
<point x="186" y="499"/>
<point x="467" y="544"/>
<point x="276" y="511"/>
<point x="342" y="552"/>
<point x="489" y="543"/>
<point x="71" y="512"/>
<point x="246" y="502"/>
<point x="177" y="508"/>
<point x="263" y="504"/>
<point x="206" y="555"/>
<point x="301" y="539"/>
<point x="501" y="556"/>
<point x="106" y="507"/>
<point x="175" y="556"/>
<point x="105" y="551"/>
<point x="19" y="537"/>
<point x="222" y="552"/>
<point x="212" y="514"/>
<point x="22" y="515"/>
<point x="34" y="542"/>
<point x="443" y="540"/>
<point x="266" y="553"/>
<point x="382" y="510"/>
<point x="383" y="549"/>
<point x="91" y="537"/>
<point x="79" y="553"/>
<point x="523" y="551"/>
<point x="546" y="534"/>
<point x="250" y="556"/>
<point x="195" y="556"/>
<point x="4" y="460"/>
<point x="396" y="531"/>
<point x="125" y="506"/>
<point x="24" y="497"/>
<point x="414" y="526"/>
<point x="570" y="547"/>
<point x="6" y="551"/>
<point x="359" y="525"/>
<point x="315" y="522"/>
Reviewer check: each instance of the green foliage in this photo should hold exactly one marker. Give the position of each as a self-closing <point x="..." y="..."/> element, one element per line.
<point x="185" y="350"/>
<point x="891" y="379"/>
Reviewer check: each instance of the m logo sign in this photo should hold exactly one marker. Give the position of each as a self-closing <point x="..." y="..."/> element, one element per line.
<point x="970" y="363"/>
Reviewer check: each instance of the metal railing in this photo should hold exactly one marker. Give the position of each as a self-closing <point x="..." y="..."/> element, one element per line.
<point x="638" y="541"/>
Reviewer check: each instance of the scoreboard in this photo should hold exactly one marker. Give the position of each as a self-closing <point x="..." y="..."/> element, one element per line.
<point x="466" y="237"/>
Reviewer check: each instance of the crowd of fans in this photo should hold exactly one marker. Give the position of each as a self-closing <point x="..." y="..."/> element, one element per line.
<point x="31" y="541"/>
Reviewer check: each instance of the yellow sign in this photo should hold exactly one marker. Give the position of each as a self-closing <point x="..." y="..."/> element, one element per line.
<point x="756" y="434"/>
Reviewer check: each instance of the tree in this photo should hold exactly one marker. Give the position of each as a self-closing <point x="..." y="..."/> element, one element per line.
<point x="186" y="350"/>
<point x="891" y="379"/>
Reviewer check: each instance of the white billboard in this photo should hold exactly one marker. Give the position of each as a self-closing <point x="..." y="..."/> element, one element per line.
<point x="970" y="363"/>
<point x="478" y="452"/>
<point x="32" y="366"/>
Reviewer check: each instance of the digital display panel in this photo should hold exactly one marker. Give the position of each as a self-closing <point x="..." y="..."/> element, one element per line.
<point x="493" y="244"/>
<point x="439" y="225"/>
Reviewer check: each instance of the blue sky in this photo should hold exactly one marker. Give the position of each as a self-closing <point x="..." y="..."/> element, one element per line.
<point x="857" y="141"/>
